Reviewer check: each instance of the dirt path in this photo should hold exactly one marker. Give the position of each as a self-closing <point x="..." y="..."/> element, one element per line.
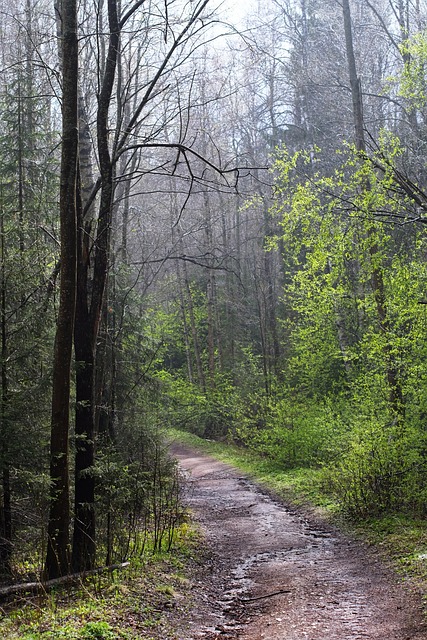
<point x="273" y="574"/>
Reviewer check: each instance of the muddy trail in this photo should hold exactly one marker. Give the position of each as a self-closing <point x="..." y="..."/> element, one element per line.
<point x="272" y="573"/>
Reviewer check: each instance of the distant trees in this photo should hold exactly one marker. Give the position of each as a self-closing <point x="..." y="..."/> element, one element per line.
<point x="27" y="264"/>
<point x="322" y="330"/>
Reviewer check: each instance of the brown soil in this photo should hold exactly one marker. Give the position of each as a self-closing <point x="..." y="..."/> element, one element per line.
<point x="272" y="573"/>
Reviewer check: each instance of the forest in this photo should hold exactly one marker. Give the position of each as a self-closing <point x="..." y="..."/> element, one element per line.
<point x="211" y="222"/>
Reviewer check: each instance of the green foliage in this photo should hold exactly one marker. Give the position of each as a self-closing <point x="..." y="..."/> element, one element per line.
<point x="90" y="631"/>
<point x="120" y="605"/>
<point x="383" y="470"/>
<point x="349" y="330"/>
<point x="97" y="631"/>
<point x="209" y="413"/>
<point x="295" y="433"/>
<point x="28" y="254"/>
<point x="139" y="497"/>
<point x="413" y="79"/>
<point x="334" y="249"/>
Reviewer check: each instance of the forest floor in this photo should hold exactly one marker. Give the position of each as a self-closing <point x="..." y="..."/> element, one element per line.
<point x="270" y="571"/>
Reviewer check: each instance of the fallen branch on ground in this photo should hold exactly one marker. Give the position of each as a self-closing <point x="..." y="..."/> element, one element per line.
<point x="35" y="587"/>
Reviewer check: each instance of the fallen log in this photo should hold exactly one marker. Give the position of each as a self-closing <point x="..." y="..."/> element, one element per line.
<point x="45" y="585"/>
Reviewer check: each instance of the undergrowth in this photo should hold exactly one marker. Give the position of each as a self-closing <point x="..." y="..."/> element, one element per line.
<point x="141" y="601"/>
<point x="151" y="597"/>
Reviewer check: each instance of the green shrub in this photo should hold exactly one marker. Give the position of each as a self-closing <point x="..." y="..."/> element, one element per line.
<point x="382" y="470"/>
<point x="295" y="434"/>
<point x="97" y="631"/>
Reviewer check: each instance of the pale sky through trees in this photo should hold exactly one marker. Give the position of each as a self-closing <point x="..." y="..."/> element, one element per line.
<point x="235" y="11"/>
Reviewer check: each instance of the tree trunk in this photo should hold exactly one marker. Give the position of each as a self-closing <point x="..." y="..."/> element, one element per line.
<point x="356" y="93"/>
<point x="210" y="287"/>
<point x="185" y="327"/>
<point x="83" y="555"/>
<point x="6" y="500"/>
<point x="377" y="280"/>
<point x="89" y="305"/>
<point x="193" y="327"/>
<point x="57" y="558"/>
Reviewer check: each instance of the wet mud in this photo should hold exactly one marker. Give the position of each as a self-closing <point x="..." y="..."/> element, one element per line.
<point x="273" y="573"/>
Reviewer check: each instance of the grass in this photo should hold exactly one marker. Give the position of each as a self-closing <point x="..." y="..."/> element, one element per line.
<point x="146" y="600"/>
<point x="404" y="540"/>
<point x="398" y="537"/>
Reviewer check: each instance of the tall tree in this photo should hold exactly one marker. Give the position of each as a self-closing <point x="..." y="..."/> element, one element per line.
<point x="94" y="258"/>
<point x="58" y="553"/>
<point x="377" y="278"/>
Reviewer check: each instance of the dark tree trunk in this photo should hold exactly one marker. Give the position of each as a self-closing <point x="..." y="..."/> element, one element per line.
<point x="57" y="558"/>
<point x="89" y="308"/>
<point x="5" y="523"/>
<point x="6" y="499"/>
<point x="83" y="555"/>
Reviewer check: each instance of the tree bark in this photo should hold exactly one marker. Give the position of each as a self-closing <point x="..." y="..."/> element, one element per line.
<point x="6" y="500"/>
<point x="356" y="93"/>
<point x="83" y="555"/>
<point x="57" y="558"/>
<point x="89" y="309"/>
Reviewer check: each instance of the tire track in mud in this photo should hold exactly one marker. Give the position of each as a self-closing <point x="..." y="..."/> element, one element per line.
<point x="274" y="574"/>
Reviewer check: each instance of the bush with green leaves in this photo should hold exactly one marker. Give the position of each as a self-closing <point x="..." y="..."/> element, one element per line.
<point x="97" y="631"/>
<point x="296" y="433"/>
<point x="139" y="491"/>
<point x="383" y="470"/>
<point x="209" y="412"/>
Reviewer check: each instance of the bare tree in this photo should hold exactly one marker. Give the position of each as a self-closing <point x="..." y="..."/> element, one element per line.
<point x="136" y="132"/>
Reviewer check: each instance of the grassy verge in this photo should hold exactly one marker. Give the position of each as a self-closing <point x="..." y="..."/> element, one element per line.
<point x="399" y="537"/>
<point x="147" y="600"/>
